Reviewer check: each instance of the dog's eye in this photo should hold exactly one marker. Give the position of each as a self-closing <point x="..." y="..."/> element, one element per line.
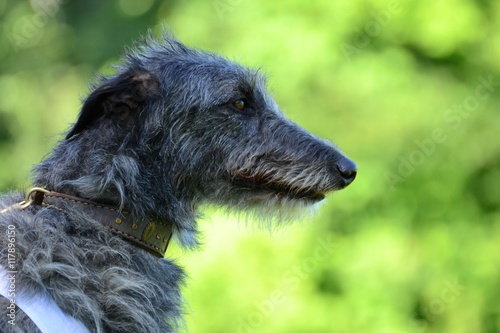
<point x="240" y="104"/>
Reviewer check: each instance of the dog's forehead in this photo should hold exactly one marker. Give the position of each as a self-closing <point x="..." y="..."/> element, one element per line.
<point x="201" y="75"/>
<point x="221" y="70"/>
<point x="221" y="76"/>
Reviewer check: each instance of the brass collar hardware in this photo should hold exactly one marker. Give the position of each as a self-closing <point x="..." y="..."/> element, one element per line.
<point x="28" y="200"/>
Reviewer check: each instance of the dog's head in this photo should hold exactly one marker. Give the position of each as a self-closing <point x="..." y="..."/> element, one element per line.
<point x="176" y="127"/>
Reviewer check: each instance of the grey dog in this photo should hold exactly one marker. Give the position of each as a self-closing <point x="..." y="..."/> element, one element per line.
<point x="175" y="128"/>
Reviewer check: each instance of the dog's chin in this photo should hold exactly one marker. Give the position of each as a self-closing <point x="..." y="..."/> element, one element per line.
<point x="308" y="198"/>
<point x="277" y="190"/>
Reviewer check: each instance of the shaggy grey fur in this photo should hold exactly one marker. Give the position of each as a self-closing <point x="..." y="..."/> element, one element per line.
<point x="175" y="128"/>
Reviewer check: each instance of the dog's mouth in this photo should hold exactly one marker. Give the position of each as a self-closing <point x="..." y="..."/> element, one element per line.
<point x="261" y="183"/>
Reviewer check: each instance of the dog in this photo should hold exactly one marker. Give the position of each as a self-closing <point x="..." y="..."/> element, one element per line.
<point x="174" y="129"/>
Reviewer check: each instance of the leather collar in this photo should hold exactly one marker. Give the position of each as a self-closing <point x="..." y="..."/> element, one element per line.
<point x="147" y="233"/>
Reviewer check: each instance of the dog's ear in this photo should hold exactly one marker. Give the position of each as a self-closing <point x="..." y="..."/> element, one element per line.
<point x="120" y="99"/>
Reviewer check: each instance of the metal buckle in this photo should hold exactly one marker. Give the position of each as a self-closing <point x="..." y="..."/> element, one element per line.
<point x="28" y="200"/>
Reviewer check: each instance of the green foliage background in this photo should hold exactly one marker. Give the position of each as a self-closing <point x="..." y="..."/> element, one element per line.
<point x="401" y="86"/>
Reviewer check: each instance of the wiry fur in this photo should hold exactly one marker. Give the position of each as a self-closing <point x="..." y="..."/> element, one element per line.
<point x="160" y="138"/>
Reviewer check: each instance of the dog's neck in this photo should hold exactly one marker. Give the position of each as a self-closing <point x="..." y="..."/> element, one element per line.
<point x="116" y="179"/>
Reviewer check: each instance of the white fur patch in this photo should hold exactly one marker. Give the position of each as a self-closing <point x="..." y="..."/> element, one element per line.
<point x="41" y="308"/>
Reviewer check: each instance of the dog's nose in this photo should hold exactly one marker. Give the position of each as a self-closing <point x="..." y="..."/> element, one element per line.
<point x="347" y="170"/>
